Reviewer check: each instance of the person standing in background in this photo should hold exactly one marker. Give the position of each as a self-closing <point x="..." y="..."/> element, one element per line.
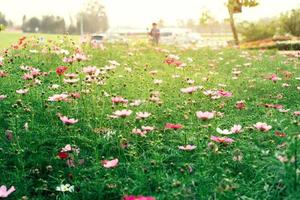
<point x="155" y="34"/>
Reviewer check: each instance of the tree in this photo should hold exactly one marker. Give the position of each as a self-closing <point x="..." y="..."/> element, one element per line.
<point x="290" y="22"/>
<point x="32" y="25"/>
<point x="235" y="6"/>
<point x="3" y="21"/>
<point x="53" y="24"/>
<point x="93" y="18"/>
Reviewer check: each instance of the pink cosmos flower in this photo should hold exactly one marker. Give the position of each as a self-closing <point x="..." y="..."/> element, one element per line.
<point x="22" y="91"/>
<point x="138" y="198"/>
<point x="80" y="57"/>
<point x="68" y="121"/>
<point x="67" y="148"/>
<point x="142" y="115"/>
<point x="4" y="192"/>
<point x="274" y="78"/>
<point x="119" y="99"/>
<point x="262" y="126"/>
<point x="224" y="93"/>
<point x="91" y="70"/>
<point x="121" y="113"/>
<point x="236" y="128"/>
<point x="147" y="128"/>
<point x="187" y="147"/>
<point x="297" y="113"/>
<point x="138" y="131"/>
<point x="27" y="76"/>
<point x="223" y="140"/>
<point x="59" y="97"/>
<point x="3" y="74"/>
<point x="2" y="97"/>
<point x="205" y="115"/>
<point x="143" y="131"/>
<point x="110" y="163"/>
<point x="189" y="90"/>
<point x="240" y="105"/>
<point x="173" y="126"/>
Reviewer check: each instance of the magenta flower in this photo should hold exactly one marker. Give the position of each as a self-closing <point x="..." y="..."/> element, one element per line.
<point x="262" y="126"/>
<point x="68" y="121"/>
<point x="187" y="147"/>
<point x="110" y="163"/>
<point x="138" y="198"/>
<point x="223" y="140"/>
<point x="205" y="115"/>
<point x="4" y="192"/>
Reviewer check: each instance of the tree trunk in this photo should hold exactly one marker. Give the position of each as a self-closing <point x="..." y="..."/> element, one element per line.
<point x="233" y="29"/>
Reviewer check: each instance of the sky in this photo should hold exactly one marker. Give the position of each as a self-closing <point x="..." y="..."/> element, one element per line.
<point x="141" y="13"/>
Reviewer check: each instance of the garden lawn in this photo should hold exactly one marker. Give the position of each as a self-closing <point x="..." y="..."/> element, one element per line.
<point x="105" y="149"/>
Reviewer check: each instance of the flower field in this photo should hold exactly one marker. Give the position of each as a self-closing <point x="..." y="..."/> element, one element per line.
<point x="134" y="121"/>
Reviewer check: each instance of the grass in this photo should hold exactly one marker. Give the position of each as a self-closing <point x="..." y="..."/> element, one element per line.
<point x="151" y="165"/>
<point x="8" y="38"/>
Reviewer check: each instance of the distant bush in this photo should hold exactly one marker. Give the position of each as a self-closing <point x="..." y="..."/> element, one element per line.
<point x="287" y="23"/>
<point x="262" y="29"/>
<point x="290" y="22"/>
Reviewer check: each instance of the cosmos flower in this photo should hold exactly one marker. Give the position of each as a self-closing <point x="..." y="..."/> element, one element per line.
<point x="4" y="192"/>
<point x="297" y="113"/>
<point x="22" y="91"/>
<point x="138" y="198"/>
<point x="157" y="81"/>
<point x="240" y="105"/>
<point x="262" y="126"/>
<point x="173" y="126"/>
<point x="110" y="163"/>
<point x="236" y="128"/>
<point x="91" y="70"/>
<point x="119" y="99"/>
<point x="68" y="121"/>
<point x="187" y="147"/>
<point x="222" y="139"/>
<point x="61" y="70"/>
<point x="65" y="188"/>
<point x="2" y="97"/>
<point x="224" y="132"/>
<point x="58" y="97"/>
<point x="189" y="90"/>
<point x="121" y="113"/>
<point x="205" y="115"/>
<point x="136" y="102"/>
<point x="142" y="115"/>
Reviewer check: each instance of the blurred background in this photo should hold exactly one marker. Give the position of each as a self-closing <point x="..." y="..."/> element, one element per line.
<point x="200" y="22"/>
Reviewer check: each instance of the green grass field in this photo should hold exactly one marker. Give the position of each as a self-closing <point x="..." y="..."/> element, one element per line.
<point x="48" y="141"/>
<point x="8" y="38"/>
